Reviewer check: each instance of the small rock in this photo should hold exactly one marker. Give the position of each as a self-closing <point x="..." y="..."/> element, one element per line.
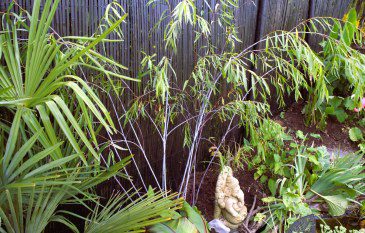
<point x="218" y="226"/>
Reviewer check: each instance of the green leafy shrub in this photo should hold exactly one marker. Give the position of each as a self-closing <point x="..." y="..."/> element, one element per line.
<point x="343" y="69"/>
<point x="357" y="135"/>
<point x="335" y="185"/>
<point x="337" y="229"/>
<point x="186" y="220"/>
<point x="273" y="150"/>
<point x="222" y="79"/>
<point x="268" y="153"/>
<point x="301" y="178"/>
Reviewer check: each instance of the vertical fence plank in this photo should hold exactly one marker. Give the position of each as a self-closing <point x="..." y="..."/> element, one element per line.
<point x="280" y="15"/>
<point x="246" y="20"/>
<point x="330" y="8"/>
<point x="327" y="8"/>
<point x="254" y="18"/>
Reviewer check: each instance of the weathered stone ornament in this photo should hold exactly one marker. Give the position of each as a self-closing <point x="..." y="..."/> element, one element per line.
<point x="229" y="200"/>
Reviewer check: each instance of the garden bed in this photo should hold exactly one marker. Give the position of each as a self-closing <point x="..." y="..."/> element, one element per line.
<point x="334" y="137"/>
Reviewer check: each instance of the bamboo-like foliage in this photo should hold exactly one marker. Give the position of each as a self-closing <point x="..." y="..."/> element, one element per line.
<point x="51" y="153"/>
<point x="280" y="64"/>
<point x="198" y="101"/>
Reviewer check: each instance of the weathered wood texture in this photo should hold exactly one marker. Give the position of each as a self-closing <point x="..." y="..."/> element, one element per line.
<point x="279" y="15"/>
<point x="255" y="19"/>
<point x="330" y="8"/>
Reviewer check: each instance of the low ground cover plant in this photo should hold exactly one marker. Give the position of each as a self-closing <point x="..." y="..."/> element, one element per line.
<point x="356" y="135"/>
<point x="274" y="149"/>
<point x="301" y="179"/>
<point x="330" y="189"/>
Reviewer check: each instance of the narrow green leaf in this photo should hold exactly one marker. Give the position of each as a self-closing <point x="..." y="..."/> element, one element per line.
<point x="12" y="139"/>
<point x="65" y="128"/>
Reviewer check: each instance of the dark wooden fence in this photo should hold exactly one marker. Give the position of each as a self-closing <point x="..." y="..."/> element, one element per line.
<point x="255" y="19"/>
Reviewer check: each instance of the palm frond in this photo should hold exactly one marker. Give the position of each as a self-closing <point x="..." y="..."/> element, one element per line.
<point x="117" y="216"/>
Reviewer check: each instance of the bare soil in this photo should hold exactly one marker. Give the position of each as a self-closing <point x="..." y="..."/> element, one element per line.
<point x="334" y="136"/>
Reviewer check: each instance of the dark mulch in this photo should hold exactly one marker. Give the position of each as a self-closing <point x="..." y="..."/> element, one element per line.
<point x="334" y="136"/>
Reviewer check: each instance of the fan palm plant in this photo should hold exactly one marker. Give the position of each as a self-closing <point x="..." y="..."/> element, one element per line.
<point x="46" y="158"/>
<point x="37" y="70"/>
<point x="33" y="185"/>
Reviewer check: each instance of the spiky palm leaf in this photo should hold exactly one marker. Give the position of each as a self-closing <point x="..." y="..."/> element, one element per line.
<point x="145" y="211"/>
<point x="38" y="69"/>
<point x="33" y="185"/>
<point x="46" y="158"/>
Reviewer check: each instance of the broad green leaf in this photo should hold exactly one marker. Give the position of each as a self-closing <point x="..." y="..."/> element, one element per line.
<point x="182" y="225"/>
<point x="341" y="115"/>
<point x="161" y="228"/>
<point x="350" y="104"/>
<point x="356" y="134"/>
<point x="291" y="200"/>
<point x="268" y="199"/>
<point x="195" y="218"/>
<point x="337" y="204"/>
<point x="314" y="135"/>
<point x="272" y="186"/>
<point x="335" y="101"/>
<point x="300" y="135"/>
